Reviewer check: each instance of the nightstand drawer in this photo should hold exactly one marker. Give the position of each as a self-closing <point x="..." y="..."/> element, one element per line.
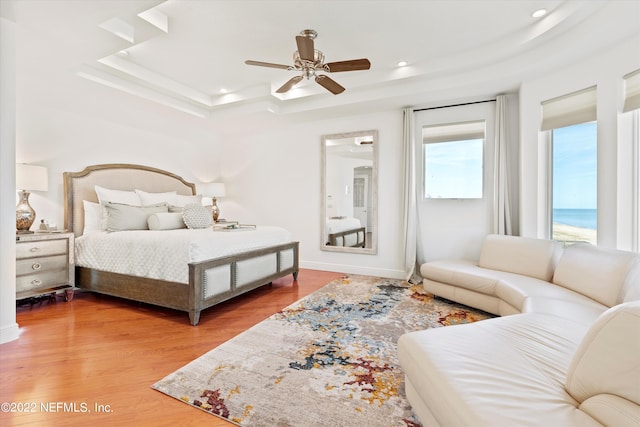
<point x="44" y="264"/>
<point x="42" y="280"/>
<point x="41" y="264"/>
<point x="41" y="248"/>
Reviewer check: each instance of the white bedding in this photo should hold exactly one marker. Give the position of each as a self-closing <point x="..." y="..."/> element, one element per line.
<point x="165" y="254"/>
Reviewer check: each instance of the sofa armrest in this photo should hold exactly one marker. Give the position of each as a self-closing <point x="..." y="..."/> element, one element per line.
<point x="606" y="361"/>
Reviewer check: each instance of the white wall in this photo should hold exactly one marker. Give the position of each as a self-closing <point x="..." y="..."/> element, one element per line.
<point x="8" y="326"/>
<point x="275" y="178"/>
<point x="604" y="69"/>
<point x="66" y="141"/>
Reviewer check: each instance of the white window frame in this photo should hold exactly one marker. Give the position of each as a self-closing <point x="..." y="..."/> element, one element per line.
<point x="635" y="185"/>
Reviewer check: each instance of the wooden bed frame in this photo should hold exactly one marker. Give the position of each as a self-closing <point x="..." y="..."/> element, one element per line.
<point x="334" y="238"/>
<point x="192" y="297"/>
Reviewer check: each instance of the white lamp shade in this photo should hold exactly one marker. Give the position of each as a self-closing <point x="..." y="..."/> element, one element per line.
<point x="213" y="189"/>
<point x="31" y="177"/>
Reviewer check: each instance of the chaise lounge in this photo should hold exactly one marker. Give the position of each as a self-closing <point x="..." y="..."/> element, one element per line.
<point x="566" y="351"/>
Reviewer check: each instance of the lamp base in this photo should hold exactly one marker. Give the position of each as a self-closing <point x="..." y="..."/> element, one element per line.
<point x="25" y="215"/>
<point x="215" y="210"/>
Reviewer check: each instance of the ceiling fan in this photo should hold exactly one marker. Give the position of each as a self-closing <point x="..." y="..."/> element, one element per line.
<point x="308" y="61"/>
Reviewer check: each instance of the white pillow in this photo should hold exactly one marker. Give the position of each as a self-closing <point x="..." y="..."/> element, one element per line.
<point x="183" y="201"/>
<point x="92" y="217"/>
<point x="196" y="216"/>
<point x="122" y="217"/>
<point x="106" y="195"/>
<point x="166" y="221"/>
<point x="147" y="199"/>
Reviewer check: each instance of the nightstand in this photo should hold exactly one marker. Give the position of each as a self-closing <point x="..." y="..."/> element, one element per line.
<point x="44" y="264"/>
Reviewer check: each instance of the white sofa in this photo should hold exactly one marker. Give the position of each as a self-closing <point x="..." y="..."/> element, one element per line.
<point x="566" y="351"/>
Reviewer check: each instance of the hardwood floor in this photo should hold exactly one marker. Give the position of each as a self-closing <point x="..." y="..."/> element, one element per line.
<point x="106" y="352"/>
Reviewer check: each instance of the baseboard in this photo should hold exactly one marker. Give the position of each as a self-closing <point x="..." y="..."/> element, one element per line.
<point x="9" y="333"/>
<point x="353" y="269"/>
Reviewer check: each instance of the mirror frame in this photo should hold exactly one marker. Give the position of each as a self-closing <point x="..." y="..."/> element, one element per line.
<point x="374" y="205"/>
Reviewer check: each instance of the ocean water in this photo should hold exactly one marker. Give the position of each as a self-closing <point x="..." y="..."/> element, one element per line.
<point x="584" y="218"/>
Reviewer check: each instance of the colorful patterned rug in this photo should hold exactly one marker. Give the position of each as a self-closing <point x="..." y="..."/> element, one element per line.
<point x="328" y="359"/>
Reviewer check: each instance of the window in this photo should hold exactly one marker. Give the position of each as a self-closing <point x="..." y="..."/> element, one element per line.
<point x="453" y="167"/>
<point x="632" y="107"/>
<point x="571" y="122"/>
<point x="574" y="183"/>
<point x="635" y="186"/>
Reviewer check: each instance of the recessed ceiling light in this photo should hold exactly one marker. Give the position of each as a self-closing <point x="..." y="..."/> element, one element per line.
<point x="402" y="63"/>
<point x="539" y="13"/>
<point x="223" y="90"/>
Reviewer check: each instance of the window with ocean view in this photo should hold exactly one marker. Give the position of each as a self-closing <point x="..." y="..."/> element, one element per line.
<point x="574" y="184"/>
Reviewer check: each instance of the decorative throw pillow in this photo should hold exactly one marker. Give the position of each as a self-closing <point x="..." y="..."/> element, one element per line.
<point x="195" y="215"/>
<point x="106" y="195"/>
<point x="126" y="217"/>
<point x="147" y="199"/>
<point x="166" y="221"/>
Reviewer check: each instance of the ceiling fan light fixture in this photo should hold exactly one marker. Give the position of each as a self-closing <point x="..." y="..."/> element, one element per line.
<point x="307" y="60"/>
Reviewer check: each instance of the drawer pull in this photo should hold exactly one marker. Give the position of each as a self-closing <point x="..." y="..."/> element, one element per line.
<point x="36" y="282"/>
<point x="34" y="249"/>
<point x="36" y="266"/>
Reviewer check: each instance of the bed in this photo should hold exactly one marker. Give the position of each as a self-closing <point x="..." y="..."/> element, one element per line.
<point x="237" y="262"/>
<point x="346" y="232"/>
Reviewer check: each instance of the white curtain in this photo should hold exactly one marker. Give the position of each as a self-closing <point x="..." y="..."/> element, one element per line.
<point x="501" y="202"/>
<point x="409" y="197"/>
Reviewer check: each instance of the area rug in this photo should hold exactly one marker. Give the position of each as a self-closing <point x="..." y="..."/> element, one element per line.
<point x="330" y="359"/>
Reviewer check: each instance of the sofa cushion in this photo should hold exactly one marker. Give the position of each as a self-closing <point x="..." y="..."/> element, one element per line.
<point x="507" y="371"/>
<point x="598" y="273"/>
<point x="606" y="364"/>
<point x="520" y="255"/>
<point x="461" y="273"/>
<point x="579" y="309"/>
<point x="517" y="290"/>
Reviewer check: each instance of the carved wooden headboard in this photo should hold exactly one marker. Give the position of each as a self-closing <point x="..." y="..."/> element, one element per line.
<point x="79" y="186"/>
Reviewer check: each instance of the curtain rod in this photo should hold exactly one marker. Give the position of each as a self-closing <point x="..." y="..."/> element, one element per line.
<point x="455" y="105"/>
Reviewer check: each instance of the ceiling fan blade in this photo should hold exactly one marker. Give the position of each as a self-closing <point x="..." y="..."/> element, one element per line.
<point x="329" y="84"/>
<point x="268" y="64"/>
<point x="305" y="48"/>
<point x="289" y="84"/>
<point x="353" y="65"/>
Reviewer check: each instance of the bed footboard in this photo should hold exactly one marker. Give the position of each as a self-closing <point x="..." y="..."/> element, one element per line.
<point x="355" y="238"/>
<point x="217" y="280"/>
<point x="210" y="282"/>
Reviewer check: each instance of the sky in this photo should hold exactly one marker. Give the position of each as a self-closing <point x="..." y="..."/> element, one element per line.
<point x="453" y="169"/>
<point x="575" y="167"/>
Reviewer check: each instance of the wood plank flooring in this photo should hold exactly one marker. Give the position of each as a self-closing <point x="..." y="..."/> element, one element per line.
<point x="93" y="360"/>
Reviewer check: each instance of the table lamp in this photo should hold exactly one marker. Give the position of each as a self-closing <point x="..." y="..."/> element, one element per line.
<point x="214" y="190"/>
<point x="28" y="178"/>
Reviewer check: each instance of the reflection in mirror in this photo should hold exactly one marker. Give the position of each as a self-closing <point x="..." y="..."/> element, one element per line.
<point x="349" y="192"/>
